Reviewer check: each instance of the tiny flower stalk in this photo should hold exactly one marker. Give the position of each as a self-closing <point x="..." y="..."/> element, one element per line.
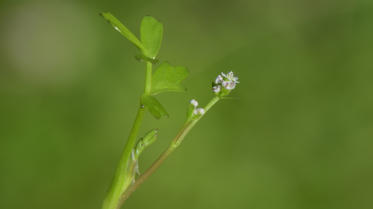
<point x="165" y="78"/>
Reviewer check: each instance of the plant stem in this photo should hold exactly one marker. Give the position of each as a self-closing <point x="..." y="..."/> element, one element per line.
<point x="148" y="79"/>
<point x="121" y="179"/>
<point x="173" y="145"/>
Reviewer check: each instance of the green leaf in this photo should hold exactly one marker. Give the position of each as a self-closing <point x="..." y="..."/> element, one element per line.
<point x="168" y="78"/>
<point x="151" y="33"/>
<point x="118" y="26"/>
<point x="154" y="107"/>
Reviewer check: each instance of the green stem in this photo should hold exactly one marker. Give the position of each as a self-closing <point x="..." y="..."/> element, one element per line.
<point x="121" y="179"/>
<point x="212" y="103"/>
<point x="174" y="144"/>
<point x="148" y="79"/>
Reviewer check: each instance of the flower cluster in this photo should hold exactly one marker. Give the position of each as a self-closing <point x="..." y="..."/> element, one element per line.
<point x="196" y="110"/>
<point x="224" y="83"/>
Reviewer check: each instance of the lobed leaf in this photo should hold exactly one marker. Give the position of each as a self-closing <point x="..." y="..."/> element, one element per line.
<point x="167" y="78"/>
<point x="154" y="107"/>
<point x="118" y="26"/>
<point x="151" y="32"/>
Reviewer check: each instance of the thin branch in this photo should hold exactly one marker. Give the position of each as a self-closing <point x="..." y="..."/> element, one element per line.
<point x="174" y="144"/>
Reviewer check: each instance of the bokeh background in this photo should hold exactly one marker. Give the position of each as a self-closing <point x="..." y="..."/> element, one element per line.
<point x="296" y="134"/>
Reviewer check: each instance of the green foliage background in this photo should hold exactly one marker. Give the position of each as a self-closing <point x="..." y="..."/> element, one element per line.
<point x="297" y="133"/>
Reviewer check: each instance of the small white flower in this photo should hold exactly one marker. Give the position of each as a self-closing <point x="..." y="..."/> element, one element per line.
<point x="218" y="79"/>
<point x="199" y="111"/>
<point x="194" y="102"/>
<point x="229" y="85"/>
<point x="230" y="76"/>
<point x="216" y="89"/>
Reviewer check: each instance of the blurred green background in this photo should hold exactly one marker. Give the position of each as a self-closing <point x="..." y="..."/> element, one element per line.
<point x="297" y="133"/>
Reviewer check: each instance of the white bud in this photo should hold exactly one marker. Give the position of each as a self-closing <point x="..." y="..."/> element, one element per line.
<point x="194" y="102"/>
<point x="201" y="111"/>
<point x="195" y="112"/>
<point x="216" y="89"/>
<point x="218" y="79"/>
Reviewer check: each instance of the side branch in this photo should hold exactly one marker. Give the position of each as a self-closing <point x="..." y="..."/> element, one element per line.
<point x="174" y="144"/>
